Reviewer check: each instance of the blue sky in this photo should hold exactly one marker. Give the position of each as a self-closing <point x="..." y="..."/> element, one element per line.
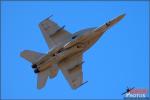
<point x="119" y="59"/>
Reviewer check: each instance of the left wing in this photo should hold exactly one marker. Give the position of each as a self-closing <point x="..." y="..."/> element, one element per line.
<point x="71" y="67"/>
<point x="53" y="33"/>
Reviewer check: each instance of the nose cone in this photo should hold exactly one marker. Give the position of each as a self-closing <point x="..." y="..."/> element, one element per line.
<point x="109" y="24"/>
<point x="114" y="21"/>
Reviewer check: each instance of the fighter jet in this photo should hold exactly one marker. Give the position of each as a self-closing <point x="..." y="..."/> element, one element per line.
<point x="66" y="51"/>
<point x="127" y="90"/>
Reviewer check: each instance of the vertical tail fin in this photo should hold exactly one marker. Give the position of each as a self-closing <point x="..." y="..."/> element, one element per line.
<point x="53" y="71"/>
<point x="42" y="76"/>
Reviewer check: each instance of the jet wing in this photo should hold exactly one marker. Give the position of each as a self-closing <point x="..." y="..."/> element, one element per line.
<point x="54" y="34"/>
<point x="72" y="70"/>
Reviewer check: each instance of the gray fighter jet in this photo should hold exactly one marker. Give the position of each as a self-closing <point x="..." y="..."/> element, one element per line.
<point x="66" y="51"/>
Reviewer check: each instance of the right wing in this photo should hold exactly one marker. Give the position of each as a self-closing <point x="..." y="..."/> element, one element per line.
<point x="54" y="34"/>
<point x="71" y="67"/>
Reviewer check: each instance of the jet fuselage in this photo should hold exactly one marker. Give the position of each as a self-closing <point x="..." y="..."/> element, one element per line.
<point x="66" y="51"/>
<point x="80" y="42"/>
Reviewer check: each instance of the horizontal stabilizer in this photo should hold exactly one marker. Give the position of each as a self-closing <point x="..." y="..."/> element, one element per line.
<point x="42" y="78"/>
<point x="31" y="56"/>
